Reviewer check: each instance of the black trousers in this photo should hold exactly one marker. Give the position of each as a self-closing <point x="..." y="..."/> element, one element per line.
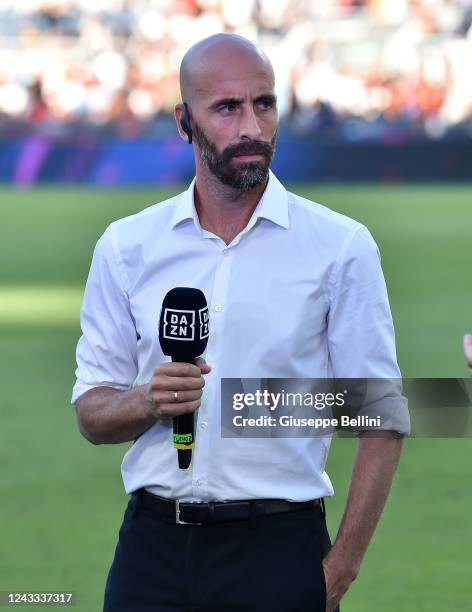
<point x="273" y="564"/>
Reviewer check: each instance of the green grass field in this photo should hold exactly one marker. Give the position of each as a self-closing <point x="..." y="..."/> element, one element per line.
<point x="62" y="499"/>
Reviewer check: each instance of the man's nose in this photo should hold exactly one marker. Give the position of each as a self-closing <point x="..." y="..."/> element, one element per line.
<point x="249" y="126"/>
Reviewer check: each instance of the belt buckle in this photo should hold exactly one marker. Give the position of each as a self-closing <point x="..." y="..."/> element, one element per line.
<point x="178" y="520"/>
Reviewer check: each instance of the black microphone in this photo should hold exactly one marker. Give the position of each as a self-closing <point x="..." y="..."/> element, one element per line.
<point x="183" y="335"/>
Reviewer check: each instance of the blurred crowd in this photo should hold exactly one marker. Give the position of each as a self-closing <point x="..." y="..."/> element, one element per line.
<point x="355" y="69"/>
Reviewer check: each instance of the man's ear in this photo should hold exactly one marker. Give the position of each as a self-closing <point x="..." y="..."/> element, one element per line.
<point x="182" y="118"/>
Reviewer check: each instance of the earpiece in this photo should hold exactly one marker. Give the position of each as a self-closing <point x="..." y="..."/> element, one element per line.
<point x="185" y="123"/>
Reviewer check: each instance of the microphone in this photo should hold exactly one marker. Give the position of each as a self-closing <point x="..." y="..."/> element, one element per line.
<point x="183" y="336"/>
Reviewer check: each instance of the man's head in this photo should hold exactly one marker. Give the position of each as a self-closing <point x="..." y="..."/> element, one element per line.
<point x="228" y="86"/>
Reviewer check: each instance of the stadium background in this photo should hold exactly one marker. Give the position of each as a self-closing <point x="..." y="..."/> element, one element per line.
<point x="376" y="90"/>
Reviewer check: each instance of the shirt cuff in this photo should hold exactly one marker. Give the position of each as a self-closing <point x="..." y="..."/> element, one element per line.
<point x="81" y="387"/>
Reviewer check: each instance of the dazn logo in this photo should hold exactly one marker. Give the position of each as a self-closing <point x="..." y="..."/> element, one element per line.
<point x="179" y="324"/>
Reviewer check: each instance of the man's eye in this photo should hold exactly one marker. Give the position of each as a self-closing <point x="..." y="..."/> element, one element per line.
<point x="266" y="103"/>
<point x="228" y="107"/>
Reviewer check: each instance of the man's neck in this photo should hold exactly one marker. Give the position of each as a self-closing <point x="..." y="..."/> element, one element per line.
<point x="222" y="210"/>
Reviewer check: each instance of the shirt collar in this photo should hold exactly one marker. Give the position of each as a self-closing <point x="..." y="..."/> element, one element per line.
<point x="273" y="205"/>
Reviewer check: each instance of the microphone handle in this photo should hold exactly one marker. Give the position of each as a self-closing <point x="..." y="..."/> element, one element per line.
<point x="184" y="436"/>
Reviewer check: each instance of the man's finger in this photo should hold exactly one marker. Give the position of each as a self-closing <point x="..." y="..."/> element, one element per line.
<point x="168" y="397"/>
<point x="178" y="409"/>
<point x="177" y="383"/>
<point x="177" y="368"/>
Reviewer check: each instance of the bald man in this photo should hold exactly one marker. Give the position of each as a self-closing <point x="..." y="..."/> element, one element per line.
<point x="294" y="290"/>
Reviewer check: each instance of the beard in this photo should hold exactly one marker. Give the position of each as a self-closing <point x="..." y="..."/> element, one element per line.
<point x="242" y="176"/>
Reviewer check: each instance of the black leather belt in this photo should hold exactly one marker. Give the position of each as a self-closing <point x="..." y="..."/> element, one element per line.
<point x="196" y="513"/>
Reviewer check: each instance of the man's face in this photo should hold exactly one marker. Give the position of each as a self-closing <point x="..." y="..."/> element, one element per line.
<point x="235" y="120"/>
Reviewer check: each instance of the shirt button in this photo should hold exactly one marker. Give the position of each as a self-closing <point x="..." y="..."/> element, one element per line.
<point x="199" y="482"/>
<point x="203" y="424"/>
<point x="225" y="252"/>
<point x="218" y="308"/>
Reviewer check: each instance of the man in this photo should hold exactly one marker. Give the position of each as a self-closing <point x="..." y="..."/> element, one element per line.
<point x="468" y="350"/>
<point x="295" y="290"/>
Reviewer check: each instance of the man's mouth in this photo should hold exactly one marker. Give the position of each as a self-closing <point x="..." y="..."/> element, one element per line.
<point x="248" y="156"/>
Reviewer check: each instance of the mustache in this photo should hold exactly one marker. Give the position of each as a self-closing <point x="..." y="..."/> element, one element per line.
<point x="251" y="147"/>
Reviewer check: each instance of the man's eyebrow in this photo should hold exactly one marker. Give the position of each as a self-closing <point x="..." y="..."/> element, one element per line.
<point x="223" y="101"/>
<point x="267" y="97"/>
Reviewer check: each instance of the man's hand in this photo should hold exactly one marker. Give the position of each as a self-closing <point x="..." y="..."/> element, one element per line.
<point x="176" y="388"/>
<point x="468" y="350"/>
<point x="337" y="582"/>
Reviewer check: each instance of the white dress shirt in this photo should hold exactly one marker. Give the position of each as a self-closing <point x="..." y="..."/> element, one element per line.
<point x="299" y="293"/>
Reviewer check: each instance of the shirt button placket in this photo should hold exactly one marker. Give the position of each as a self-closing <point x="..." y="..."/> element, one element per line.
<point x="219" y="299"/>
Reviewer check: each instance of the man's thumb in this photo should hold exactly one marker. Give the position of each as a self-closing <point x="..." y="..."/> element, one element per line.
<point x="202" y="364"/>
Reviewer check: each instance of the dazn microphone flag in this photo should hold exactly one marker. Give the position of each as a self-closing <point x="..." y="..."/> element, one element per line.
<point x="183" y="336"/>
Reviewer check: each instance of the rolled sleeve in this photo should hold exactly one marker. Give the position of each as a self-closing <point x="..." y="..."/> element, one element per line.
<point x="361" y="337"/>
<point x="107" y="350"/>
